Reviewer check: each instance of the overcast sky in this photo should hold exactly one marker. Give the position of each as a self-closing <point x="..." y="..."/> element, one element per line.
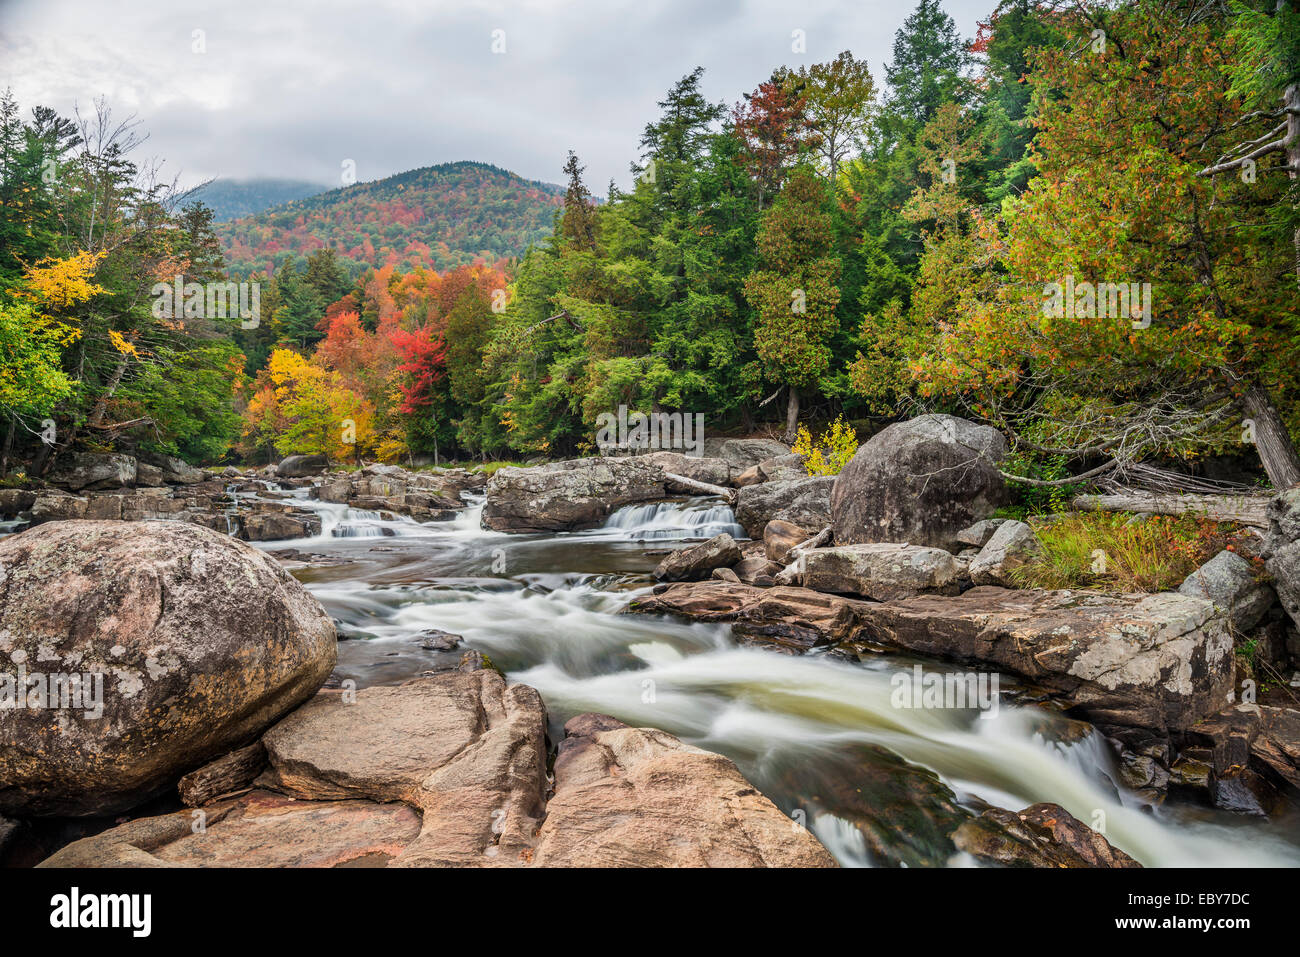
<point x="292" y="89"/>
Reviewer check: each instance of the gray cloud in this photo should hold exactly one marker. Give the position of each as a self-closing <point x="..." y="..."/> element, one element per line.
<point x="292" y="89"/>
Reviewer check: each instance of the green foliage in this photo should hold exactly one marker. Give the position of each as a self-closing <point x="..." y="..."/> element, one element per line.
<point x="1111" y="551"/>
<point x="437" y="217"/>
<point x="1037" y="499"/>
<point x="831" y="451"/>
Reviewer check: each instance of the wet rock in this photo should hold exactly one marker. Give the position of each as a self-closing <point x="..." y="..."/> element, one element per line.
<point x="1253" y="753"/>
<point x="1042" y="835"/>
<point x="302" y="466"/>
<point x="639" y="797"/>
<point x="780" y="536"/>
<point x="795" y="618"/>
<point x="903" y="812"/>
<point x="276" y="526"/>
<point x="451" y="770"/>
<point x="1161" y="661"/>
<point x="804" y="502"/>
<point x="93" y="470"/>
<point x="567" y="495"/>
<point x="881" y="572"/>
<point x="434" y="640"/>
<point x="199" y="642"/>
<point x="1012" y="545"/>
<point x="695" y="562"/>
<point x="921" y="482"/>
<point x="1232" y="584"/>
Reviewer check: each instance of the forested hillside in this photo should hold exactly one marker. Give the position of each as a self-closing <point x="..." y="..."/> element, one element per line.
<point x="1079" y="227"/>
<point x="438" y="217"/>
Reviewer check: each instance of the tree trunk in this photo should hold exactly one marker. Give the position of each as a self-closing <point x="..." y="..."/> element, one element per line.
<point x="9" y="444"/>
<point x="1291" y="102"/>
<point x="1246" y="509"/>
<point x="792" y="417"/>
<point x="1272" y="441"/>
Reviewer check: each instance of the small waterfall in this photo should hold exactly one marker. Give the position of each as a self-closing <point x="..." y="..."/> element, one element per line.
<point x="697" y="518"/>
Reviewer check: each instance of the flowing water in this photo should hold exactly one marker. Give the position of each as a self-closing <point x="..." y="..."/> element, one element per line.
<point x="816" y="734"/>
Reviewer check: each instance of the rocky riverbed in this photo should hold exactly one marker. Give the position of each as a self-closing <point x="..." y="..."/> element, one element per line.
<point x="505" y="684"/>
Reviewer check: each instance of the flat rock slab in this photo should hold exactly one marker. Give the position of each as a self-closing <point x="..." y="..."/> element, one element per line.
<point x="259" y="829"/>
<point x="451" y="770"/>
<point x="788" y="616"/>
<point x="561" y="496"/>
<point x="1160" y="661"/>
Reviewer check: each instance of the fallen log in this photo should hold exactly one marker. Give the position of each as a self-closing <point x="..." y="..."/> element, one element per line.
<point x="817" y="541"/>
<point x="1245" y="509"/>
<point x="226" y="775"/>
<point x="681" y="483"/>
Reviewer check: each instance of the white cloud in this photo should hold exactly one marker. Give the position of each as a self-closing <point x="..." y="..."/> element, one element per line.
<point x="292" y="89"/>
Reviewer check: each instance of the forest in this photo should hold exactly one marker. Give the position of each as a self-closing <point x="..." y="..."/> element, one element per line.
<point x="1081" y="226"/>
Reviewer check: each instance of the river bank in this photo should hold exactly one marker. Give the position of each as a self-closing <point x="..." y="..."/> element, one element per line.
<point x="815" y="727"/>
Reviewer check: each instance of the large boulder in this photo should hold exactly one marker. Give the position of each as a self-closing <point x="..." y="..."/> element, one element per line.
<point x="451" y="770"/>
<point x="302" y="466"/>
<point x="882" y="572"/>
<point x="1161" y="661"/>
<point x="187" y="643"/>
<point x="94" y="470"/>
<point x="1233" y="584"/>
<point x="695" y="562"/>
<point x="804" y="502"/>
<point x="920" y="482"/>
<point x="561" y="496"/>
<point x="1282" y="549"/>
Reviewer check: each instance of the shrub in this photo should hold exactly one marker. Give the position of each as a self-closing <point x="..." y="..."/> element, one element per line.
<point x="1109" y="551"/>
<point x="830" y="453"/>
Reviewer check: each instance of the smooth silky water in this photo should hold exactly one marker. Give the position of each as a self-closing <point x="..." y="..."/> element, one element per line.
<point x="816" y="734"/>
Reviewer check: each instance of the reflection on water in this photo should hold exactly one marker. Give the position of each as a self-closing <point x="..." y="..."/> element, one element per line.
<point x="819" y="736"/>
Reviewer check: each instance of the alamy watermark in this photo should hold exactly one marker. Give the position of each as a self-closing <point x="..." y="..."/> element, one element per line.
<point x="22" y="690"/>
<point x="1103" y="300"/>
<point x="920" y="689"/>
<point x="208" y="300"/>
<point x="650" y="430"/>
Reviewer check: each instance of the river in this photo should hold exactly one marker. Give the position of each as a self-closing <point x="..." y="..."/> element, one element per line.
<point x="816" y="733"/>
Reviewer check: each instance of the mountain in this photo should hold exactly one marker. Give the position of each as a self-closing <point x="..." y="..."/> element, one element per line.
<point x="232" y="198"/>
<point x="438" y="217"/>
